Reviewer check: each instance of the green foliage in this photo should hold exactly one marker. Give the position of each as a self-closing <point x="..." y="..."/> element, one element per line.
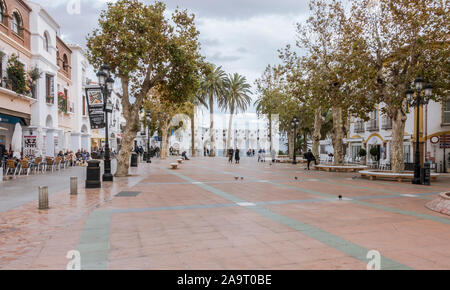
<point x="62" y="102"/>
<point x="16" y="74"/>
<point x="362" y="152"/>
<point x="237" y="94"/>
<point x="35" y="73"/>
<point x="146" y="49"/>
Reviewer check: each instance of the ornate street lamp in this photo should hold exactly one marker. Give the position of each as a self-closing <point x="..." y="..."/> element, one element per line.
<point x="294" y="124"/>
<point x="148" y="115"/>
<point x="419" y="100"/>
<point x="106" y="83"/>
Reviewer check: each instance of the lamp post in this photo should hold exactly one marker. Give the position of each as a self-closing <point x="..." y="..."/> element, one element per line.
<point x="294" y="124"/>
<point x="419" y="100"/>
<point x="148" y="114"/>
<point x="106" y="83"/>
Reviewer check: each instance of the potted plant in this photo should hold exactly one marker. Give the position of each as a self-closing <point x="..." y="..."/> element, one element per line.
<point x="62" y="102"/>
<point x="375" y="153"/>
<point x="362" y="153"/>
<point x="16" y="74"/>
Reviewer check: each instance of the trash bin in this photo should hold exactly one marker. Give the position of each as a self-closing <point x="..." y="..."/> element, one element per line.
<point x="134" y="160"/>
<point x="425" y="174"/>
<point x="93" y="174"/>
<point x="145" y="156"/>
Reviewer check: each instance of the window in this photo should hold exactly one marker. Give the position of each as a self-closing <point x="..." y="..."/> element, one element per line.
<point x="446" y="111"/>
<point x="84" y="105"/>
<point x="65" y="62"/>
<point x="46" y="41"/>
<point x="49" y="89"/>
<point x="16" y="23"/>
<point x="373" y="122"/>
<point x="2" y="12"/>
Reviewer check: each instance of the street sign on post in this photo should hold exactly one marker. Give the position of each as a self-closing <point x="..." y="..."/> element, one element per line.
<point x="94" y="99"/>
<point x="444" y="141"/>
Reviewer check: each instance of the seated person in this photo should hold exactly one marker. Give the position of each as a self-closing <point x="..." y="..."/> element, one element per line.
<point x="184" y="155"/>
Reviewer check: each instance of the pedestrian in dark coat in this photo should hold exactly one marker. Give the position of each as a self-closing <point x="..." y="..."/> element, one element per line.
<point x="310" y="157"/>
<point x="230" y="155"/>
<point x="236" y="156"/>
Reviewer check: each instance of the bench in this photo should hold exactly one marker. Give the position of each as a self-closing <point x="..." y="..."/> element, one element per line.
<point x="344" y="168"/>
<point x="180" y="161"/>
<point x="174" y="165"/>
<point x="402" y="176"/>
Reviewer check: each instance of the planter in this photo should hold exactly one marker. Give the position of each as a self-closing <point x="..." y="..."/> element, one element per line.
<point x="440" y="204"/>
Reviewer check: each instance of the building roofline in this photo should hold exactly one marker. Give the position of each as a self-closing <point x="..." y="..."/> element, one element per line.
<point x="46" y="14"/>
<point x="62" y="41"/>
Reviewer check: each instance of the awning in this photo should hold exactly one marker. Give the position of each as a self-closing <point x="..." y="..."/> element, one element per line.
<point x="13" y="117"/>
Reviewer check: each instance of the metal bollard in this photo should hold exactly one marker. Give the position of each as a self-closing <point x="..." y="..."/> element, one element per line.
<point x="43" y="197"/>
<point x="73" y="185"/>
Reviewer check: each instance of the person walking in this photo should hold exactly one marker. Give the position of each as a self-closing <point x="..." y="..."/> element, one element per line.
<point x="310" y="157"/>
<point x="2" y="152"/>
<point x="236" y="156"/>
<point x="230" y="155"/>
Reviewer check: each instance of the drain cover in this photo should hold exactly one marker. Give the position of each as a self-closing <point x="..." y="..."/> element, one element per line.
<point x="128" y="193"/>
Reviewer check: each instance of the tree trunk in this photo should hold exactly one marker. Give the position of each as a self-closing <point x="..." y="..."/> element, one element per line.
<point x="290" y="144"/>
<point x="192" y="134"/>
<point x="316" y="133"/>
<point x="338" y="136"/>
<point x="398" y="130"/>
<point x="211" y="126"/>
<point x="165" y="141"/>
<point x="230" y="122"/>
<point x="130" y="132"/>
<point x="270" y="133"/>
<point x="305" y="142"/>
<point x="123" y="161"/>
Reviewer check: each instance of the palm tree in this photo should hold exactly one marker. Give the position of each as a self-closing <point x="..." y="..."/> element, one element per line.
<point x="212" y="87"/>
<point x="236" y="99"/>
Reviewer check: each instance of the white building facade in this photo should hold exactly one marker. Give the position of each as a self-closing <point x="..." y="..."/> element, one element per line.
<point x="81" y="132"/>
<point x="377" y="133"/>
<point x="44" y="116"/>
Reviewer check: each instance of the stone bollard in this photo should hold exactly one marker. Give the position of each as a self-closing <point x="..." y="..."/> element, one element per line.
<point x="43" y="197"/>
<point x="73" y="185"/>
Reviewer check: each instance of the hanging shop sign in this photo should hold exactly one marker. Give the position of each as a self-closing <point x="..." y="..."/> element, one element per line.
<point x="94" y="98"/>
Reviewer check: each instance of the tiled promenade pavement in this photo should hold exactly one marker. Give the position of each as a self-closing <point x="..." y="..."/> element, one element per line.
<point x="201" y="217"/>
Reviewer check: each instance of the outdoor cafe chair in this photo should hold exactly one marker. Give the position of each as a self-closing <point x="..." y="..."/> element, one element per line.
<point x="12" y="167"/>
<point x="49" y="164"/>
<point x="25" y="166"/>
<point x="39" y="165"/>
<point x="58" y="163"/>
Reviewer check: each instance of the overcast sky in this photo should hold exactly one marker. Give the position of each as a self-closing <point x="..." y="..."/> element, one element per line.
<point x="241" y="35"/>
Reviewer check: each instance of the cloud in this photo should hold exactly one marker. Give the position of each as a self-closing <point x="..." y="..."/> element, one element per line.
<point x="240" y="9"/>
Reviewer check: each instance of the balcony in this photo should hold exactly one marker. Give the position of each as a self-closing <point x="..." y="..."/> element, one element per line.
<point x="29" y="91"/>
<point x="372" y="125"/>
<point x="359" y="127"/>
<point x="387" y="123"/>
